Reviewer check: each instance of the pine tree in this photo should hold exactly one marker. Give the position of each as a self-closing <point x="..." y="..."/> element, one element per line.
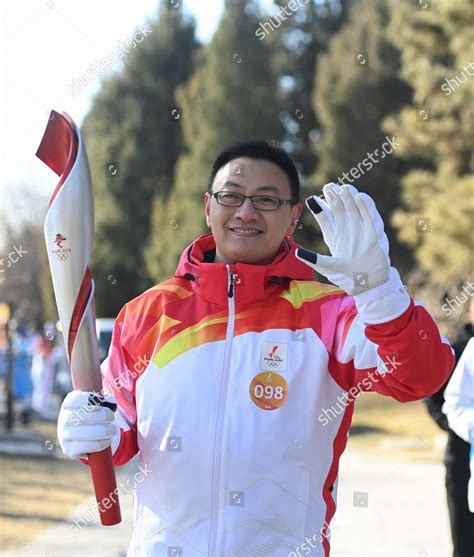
<point x="299" y="39"/>
<point x="230" y="97"/>
<point x="357" y="87"/>
<point x="436" y="131"/>
<point x="133" y="138"/>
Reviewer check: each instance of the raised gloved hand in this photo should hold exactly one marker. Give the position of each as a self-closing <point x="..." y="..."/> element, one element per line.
<point x="359" y="262"/>
<point x="86" y="424"/>
<point x="353" y="230"/>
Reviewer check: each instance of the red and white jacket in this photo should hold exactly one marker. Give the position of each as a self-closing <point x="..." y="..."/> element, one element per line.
<point x="236" y="384"/>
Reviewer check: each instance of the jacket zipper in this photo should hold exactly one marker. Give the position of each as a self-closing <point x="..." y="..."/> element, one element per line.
<point x="220" y="413"/>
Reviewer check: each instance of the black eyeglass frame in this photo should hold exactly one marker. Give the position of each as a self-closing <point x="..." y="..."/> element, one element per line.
<point x="252" y="197"/>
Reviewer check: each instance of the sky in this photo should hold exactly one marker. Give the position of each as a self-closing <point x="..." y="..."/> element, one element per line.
<point x="44" y="45"/>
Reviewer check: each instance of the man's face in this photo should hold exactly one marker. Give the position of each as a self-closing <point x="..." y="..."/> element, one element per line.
<point x="245" y="234"/>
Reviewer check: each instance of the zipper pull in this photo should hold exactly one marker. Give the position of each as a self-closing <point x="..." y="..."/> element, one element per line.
<point x="231" y="286"/>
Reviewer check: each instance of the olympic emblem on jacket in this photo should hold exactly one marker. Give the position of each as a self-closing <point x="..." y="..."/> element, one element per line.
<point x="273" y="356"/>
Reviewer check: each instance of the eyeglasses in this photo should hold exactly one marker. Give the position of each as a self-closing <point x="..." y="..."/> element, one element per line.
<point x="260" y="202"/>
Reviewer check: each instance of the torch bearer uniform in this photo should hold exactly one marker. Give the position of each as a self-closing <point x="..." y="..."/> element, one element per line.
<point x="236" y="384"/>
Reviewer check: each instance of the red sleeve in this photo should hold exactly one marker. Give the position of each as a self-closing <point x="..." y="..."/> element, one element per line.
<point x="119" y="381"/>
<point x="406" y="358"/>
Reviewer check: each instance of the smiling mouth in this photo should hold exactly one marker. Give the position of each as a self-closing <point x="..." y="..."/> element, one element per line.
<point x="246" y="231"/>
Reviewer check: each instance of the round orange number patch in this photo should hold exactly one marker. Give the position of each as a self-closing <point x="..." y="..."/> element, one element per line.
<point x="268" y="390"/>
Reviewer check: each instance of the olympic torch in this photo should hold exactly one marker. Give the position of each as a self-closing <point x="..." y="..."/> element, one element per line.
<point x="69" y="232"/>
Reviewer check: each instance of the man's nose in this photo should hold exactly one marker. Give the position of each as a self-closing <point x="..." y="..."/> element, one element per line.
<point x="247" y="211"/>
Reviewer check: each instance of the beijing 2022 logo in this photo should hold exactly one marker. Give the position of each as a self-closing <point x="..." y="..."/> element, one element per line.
<point x="62" y="253"/>
<point x="273" y="356"/>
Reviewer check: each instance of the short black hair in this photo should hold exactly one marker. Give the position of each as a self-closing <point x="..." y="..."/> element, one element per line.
<point x="260" y="150"/>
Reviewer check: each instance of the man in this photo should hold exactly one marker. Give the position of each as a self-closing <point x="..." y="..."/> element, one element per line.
<point x="459" y="408"/>
<point x="456" y="458"/>
<point x="235" y="380"/>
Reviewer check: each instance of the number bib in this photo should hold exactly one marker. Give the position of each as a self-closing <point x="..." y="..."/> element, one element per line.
<point x="268" y="390"/>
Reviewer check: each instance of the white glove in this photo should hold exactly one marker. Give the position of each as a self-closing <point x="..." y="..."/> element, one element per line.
<point x="86" y="424"/>
<point x="354" y="232"/>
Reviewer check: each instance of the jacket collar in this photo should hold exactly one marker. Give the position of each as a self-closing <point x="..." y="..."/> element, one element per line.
<point x="252" y="282"/>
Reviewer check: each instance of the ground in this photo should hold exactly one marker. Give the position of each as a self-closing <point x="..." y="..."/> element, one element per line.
<point x="38" y="492"/>
<point x="394" y="429"/>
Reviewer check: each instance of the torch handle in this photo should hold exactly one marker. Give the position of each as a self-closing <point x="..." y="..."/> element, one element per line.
<point x="105" y="486"/>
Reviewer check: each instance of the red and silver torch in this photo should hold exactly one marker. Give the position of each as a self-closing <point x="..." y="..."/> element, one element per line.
<point x="69" y="232"/>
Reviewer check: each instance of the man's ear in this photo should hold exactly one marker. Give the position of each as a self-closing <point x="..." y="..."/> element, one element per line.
<point x="298" y="209"/>
<point x="207" y="209"/>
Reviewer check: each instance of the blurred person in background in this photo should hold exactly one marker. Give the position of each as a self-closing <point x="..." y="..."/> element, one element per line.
<point x="459" y="408"/>
<point x="3" y="353"/>
<point x="22" y="383"/>
<point x="456" y="457"/>
<point x="62" y="378"/>
<point x="45" y="359"/>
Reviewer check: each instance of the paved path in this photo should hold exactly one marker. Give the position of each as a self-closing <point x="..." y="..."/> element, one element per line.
<point x="385" y="508"/>
<point x="389" y="507"/>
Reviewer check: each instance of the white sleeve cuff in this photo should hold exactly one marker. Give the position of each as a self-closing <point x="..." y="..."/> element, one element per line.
<point x="385" y="302"/>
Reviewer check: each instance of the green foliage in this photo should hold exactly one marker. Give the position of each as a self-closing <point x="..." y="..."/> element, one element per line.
<point x="357" y="85"/>
<point x="438" y="196"/>
<point x="239" y="87"/>
<point x="298" y="43"/>
<point x="231" y="97"/>
<point x="132" y="129"/>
